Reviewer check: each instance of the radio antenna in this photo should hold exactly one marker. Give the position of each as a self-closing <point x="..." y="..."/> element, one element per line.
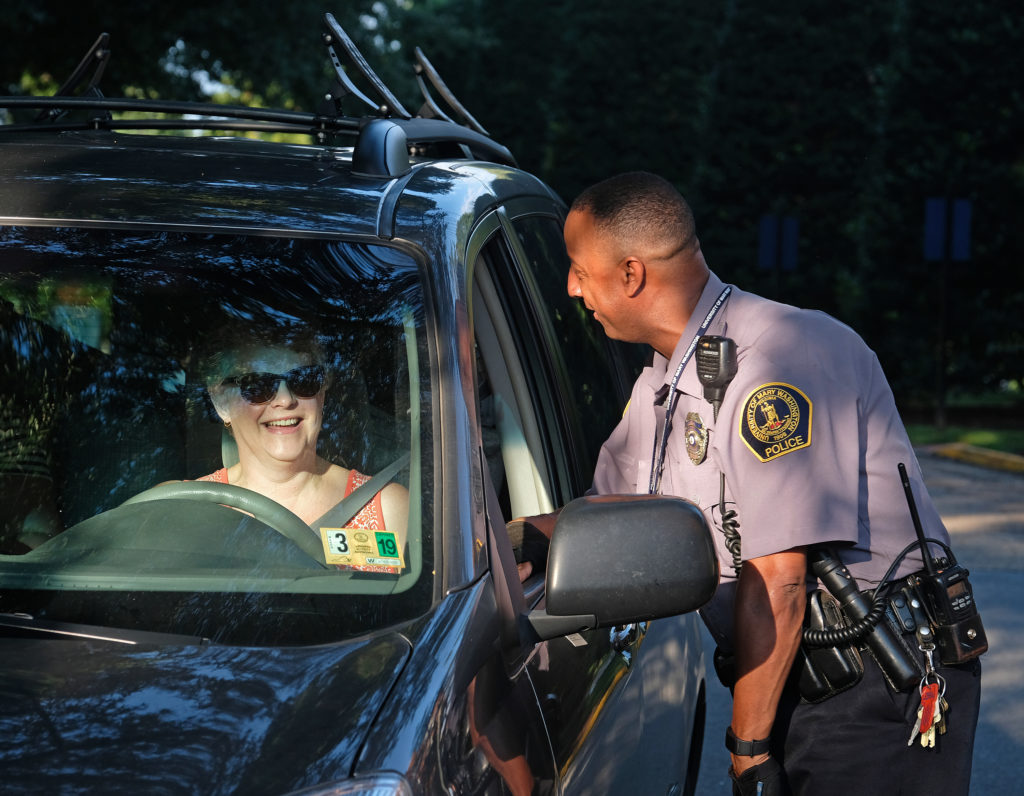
<point x="929" y="564"/>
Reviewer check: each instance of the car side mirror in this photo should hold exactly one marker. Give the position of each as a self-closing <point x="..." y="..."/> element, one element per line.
<point x="620" y="559"/>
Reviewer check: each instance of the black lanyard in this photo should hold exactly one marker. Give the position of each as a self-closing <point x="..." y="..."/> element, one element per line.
<point x="658" y="454"/>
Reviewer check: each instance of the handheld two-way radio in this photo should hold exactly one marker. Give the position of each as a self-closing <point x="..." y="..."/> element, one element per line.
<point x="948" y="596"/>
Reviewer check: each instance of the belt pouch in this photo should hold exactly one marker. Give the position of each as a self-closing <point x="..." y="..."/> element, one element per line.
<point x="725" y="667"/>
<point x="822" y="672"/>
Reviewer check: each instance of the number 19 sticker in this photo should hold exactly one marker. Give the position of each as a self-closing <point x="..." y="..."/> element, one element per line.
<point x="362" y="550"/>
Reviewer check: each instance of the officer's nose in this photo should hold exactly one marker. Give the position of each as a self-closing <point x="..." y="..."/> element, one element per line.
<point x="573" y="285"/>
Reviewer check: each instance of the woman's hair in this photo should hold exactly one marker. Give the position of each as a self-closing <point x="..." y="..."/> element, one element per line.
<point x="218" y="351"/>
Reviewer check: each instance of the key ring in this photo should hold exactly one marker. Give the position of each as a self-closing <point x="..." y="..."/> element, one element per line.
<point x="929" y="669"/>
<point x="939" y="681"/>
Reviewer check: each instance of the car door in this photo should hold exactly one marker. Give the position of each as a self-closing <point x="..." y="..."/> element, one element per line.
<point x="537" y="461"/>
<point x="624" y="706"/>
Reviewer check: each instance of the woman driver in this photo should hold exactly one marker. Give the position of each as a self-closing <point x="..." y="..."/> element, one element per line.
<point x="271" y="398"/>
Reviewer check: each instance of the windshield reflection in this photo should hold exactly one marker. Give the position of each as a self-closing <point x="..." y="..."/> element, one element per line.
<point x="102" y="337"/>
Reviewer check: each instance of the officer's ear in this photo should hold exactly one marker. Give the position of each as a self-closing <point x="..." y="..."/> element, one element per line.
<point x="634" y="275"/>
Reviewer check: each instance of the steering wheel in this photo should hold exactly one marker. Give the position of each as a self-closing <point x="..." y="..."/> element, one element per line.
<point x="267" y="511"/>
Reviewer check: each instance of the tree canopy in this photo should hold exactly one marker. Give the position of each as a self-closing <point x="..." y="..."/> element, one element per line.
<point x="843" y="116"/>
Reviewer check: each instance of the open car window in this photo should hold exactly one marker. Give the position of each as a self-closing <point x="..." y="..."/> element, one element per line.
<point x="103" y="339"/>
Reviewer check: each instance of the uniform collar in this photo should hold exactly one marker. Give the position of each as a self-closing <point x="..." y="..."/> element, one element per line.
<point x="663" y="368"/>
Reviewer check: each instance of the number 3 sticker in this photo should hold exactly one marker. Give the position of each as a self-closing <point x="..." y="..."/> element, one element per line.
<point x="337" y="541"/>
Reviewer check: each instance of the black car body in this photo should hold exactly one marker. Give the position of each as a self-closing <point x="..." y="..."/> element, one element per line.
<point x="171" y="644"/>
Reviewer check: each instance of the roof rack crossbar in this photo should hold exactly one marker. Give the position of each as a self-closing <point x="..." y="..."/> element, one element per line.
<point x="200" y="109"/>
<point x="211" y="125"/>
<point x="390" y="106"/>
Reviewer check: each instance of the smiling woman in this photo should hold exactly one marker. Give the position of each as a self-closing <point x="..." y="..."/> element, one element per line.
<point x="270" y="396"/>
<point x="269" y="392"/>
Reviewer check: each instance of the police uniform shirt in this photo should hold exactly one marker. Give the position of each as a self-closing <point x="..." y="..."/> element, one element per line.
<point x="808" y="437"/>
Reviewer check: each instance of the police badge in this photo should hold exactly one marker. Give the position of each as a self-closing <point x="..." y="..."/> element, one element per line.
<point x="696" y="438"/>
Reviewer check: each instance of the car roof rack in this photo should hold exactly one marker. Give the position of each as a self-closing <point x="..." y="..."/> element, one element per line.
<point x="430" y="108"/>
<point x="388" y="105"/>
<point x="95" y="58"/>
<point x="385" y="142"/>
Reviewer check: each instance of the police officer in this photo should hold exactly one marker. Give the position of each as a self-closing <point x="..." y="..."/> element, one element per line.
<point x="801" y="451"/>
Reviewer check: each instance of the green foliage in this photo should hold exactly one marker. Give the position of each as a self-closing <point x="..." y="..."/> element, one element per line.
<point x="847" y="115"/>
<point x="1000" y="439"/>
<point x="182" y="50"/>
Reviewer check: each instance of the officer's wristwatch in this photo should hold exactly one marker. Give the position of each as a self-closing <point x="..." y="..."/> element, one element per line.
<point x="745" y="748"/>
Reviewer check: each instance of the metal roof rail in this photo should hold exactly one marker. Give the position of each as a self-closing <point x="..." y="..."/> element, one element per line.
<point x="382" y="150"/>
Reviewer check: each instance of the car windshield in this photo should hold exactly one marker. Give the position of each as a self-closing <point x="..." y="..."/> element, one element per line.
<point x="196" y="364"/>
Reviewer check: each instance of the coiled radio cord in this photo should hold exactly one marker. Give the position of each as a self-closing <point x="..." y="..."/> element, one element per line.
<point x="730" y="528"/>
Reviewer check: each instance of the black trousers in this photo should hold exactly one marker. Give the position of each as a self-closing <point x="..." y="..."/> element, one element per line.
<point x="855" y="743"/>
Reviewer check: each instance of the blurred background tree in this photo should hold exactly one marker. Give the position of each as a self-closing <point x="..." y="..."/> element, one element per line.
<point x="842" y="116"/>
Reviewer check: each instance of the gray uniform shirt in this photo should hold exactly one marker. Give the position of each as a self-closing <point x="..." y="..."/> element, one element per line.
<point x="807" y="435"/>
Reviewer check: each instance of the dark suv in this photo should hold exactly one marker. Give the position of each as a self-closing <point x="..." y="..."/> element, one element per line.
<point x="160" y="634"/>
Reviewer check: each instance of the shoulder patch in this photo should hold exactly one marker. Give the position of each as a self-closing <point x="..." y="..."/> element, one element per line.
<point x="776" y="420"/>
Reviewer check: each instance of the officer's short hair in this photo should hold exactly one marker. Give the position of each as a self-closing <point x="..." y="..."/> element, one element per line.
<point x="640" y="206"/>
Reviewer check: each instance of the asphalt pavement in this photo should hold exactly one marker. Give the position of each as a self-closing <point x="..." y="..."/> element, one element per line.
<point x="980" y="495"/>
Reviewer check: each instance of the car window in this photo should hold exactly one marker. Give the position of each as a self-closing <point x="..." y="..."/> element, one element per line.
<point x="108" y="340"/>
<point x="551" y="387"/>
<point x="597" y="378"/>
<point x="520" y="450"/>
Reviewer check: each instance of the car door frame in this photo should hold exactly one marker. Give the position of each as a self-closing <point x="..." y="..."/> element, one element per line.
<point x="592" y="665"/>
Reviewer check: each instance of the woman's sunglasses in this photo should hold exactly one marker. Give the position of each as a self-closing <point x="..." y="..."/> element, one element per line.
<point x="258" y="388"/>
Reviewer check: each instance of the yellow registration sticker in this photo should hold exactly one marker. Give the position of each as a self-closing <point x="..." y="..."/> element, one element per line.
<point x="363" y="550"/>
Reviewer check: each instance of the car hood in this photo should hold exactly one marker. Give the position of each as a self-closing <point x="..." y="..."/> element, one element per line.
<point x="96" y="716"/>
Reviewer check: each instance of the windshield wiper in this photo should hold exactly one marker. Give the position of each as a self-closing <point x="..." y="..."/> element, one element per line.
<point x="27" y="626"/>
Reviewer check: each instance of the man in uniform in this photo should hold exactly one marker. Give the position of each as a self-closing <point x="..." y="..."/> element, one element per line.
<point x="801" y="451"/>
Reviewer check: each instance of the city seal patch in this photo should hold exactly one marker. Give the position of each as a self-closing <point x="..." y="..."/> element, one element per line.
<point x="776" y="420"/>
<point x="696" y="438"/>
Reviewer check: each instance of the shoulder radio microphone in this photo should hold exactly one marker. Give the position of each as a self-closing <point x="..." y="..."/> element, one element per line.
<point x="716" y="366"/>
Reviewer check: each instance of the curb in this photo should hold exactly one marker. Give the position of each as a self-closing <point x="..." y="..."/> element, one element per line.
<point x="983" y="457"/>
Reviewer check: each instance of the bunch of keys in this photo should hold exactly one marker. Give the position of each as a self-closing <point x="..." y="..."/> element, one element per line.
<point x="931" y="716"/>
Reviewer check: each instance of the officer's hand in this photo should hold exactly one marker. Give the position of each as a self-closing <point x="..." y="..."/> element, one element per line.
<point x="769" y="775"/>
<point x="530" y="546"/>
